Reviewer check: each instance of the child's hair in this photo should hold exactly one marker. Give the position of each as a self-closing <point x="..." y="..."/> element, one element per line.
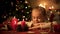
<point x="42" y="10"/>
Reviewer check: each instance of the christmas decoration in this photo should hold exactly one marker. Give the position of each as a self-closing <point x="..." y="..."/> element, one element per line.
<point x="19" y="8"/>
<point x="16" y="8"/>
<point x="23" y="9"/>
<point x="23" y="23"/>
<point x="23" y="26"/>
<point x="14" y="22"/>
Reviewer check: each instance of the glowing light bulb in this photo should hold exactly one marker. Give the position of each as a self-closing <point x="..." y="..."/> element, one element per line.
<point x="26" y="1"/>
<point x="27" y="12"/>
<point x="26" y="7"/>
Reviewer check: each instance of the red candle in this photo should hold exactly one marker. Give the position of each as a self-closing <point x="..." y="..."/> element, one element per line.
<point x="14" y="22"/>
<point x="23" y="23"/>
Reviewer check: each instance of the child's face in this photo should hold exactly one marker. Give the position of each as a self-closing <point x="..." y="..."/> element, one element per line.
<point x="37" y="16"/>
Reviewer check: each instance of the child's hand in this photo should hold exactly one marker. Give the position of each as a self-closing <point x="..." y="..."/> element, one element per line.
<point x="35" y="26"/>
<point x="44" y="25"/>
<point x="40" y="25"/>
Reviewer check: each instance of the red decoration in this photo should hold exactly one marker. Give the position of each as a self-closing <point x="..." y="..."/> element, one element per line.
<point x="23" y="23"/>
<point x="14" y="22"/>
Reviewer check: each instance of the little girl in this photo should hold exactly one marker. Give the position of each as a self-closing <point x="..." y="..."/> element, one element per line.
<point x="39" y="19"/>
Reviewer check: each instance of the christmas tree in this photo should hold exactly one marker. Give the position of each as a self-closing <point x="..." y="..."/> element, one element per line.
<point x="23" y="10"/>
<point x="19" y="8"/>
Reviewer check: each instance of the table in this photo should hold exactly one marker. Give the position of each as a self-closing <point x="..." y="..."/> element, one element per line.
<point x="33" y="32"/>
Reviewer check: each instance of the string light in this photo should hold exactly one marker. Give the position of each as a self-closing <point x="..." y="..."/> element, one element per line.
<point x="16" y="5"/>
<point x="48" y="19"/>
<point x="4" y="16"/>
<point x="26" y="2"/>
<point x="26" y="7"/>
<point x="26" y="18"/>
<point x="40" y="5"/>
<point x="51" y="12"/>
<point x="16" y="9"/>
<point x="29" y="6"/>
<point x="23" y="16"/>
<point x="52" y="7"/>
<point x="27" y="12"/>
<point x="18" y="19"/>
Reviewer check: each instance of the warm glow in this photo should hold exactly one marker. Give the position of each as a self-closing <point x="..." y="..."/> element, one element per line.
<point x="42" y="5"/>
<point x="52" y="7"/>
<point x="26" y="2"/>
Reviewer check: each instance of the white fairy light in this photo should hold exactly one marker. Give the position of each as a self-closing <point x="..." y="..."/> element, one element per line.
<point x="26" y="19"/>
<point x="23" y="16"/>
<point x="26" y="7"/>
<point x="29" y="6"/>
<point x="26" y="1"/>
<point x="4" y="16"/>
<point x="27" y="12"/>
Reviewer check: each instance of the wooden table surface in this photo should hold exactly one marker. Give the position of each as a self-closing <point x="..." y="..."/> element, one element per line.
<point x="28" y="32"/>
